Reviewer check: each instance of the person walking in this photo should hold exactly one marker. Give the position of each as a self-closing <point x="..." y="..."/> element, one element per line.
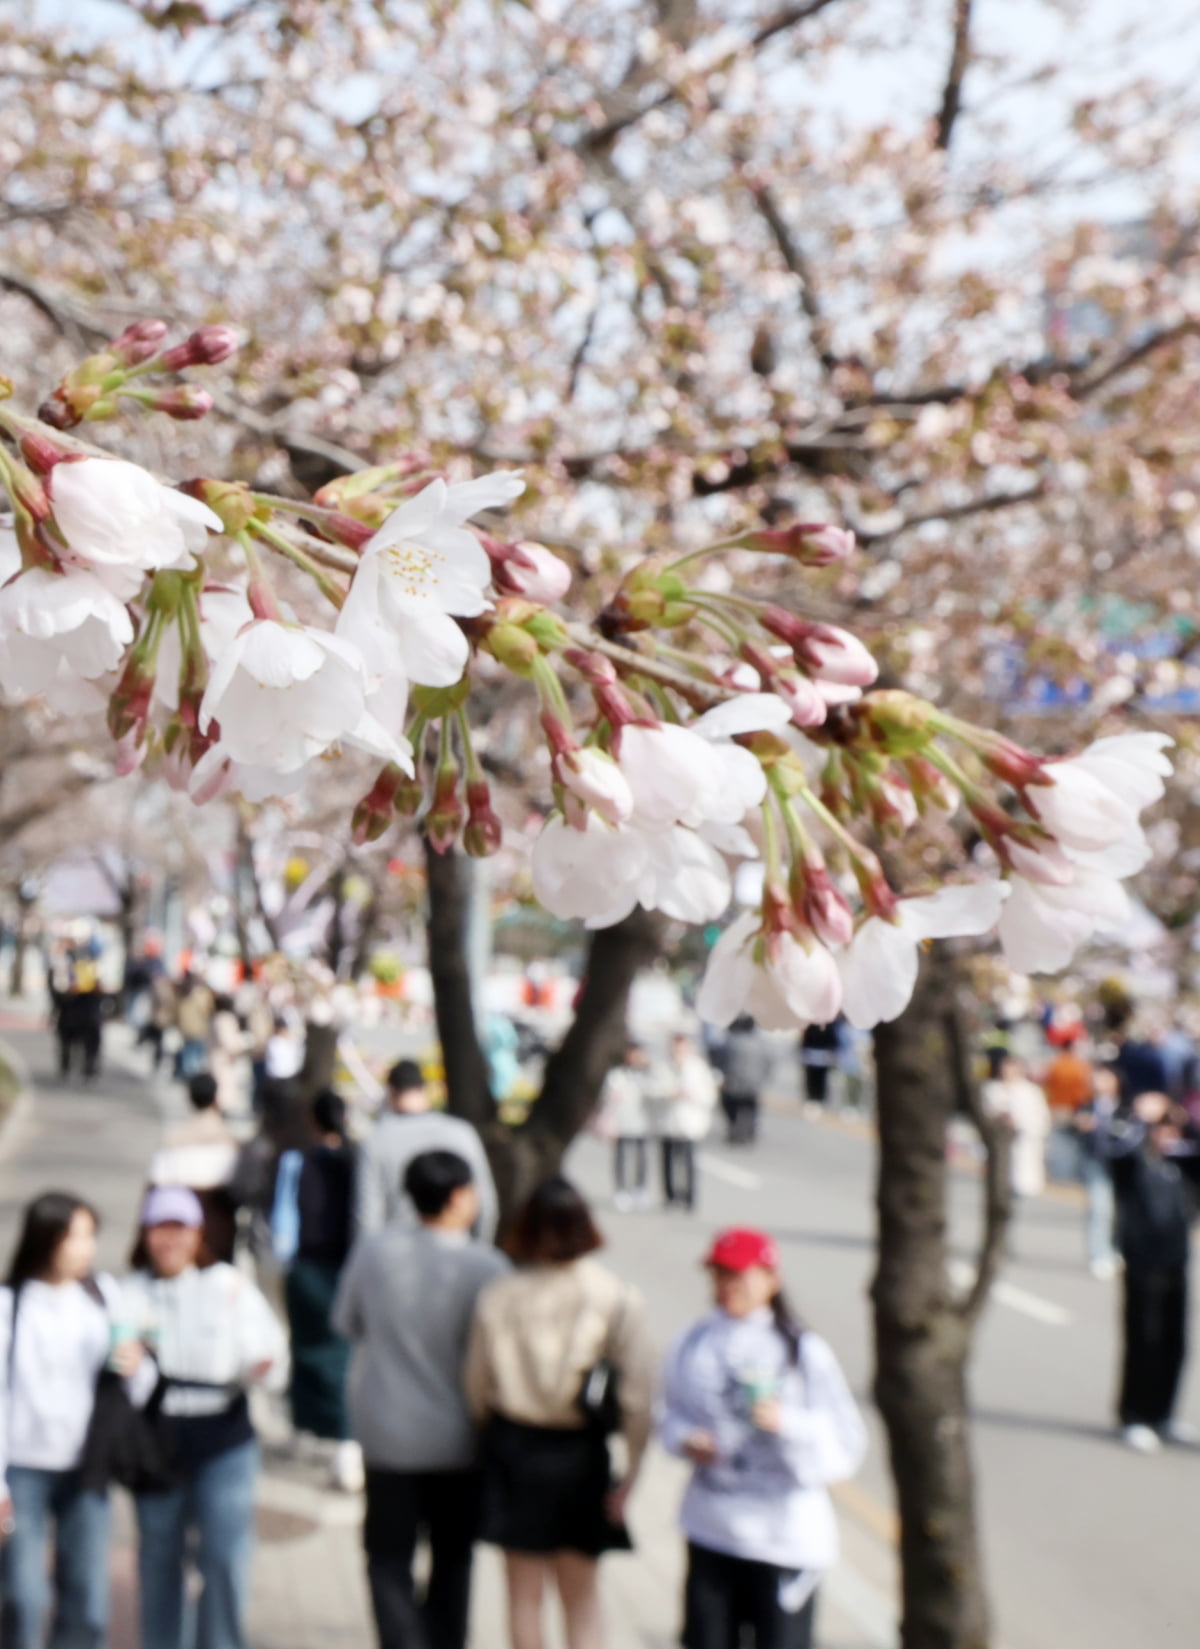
<point x="545" y="1342"/>
<point x="1092" y="1124"/>
<point x="819" y="1048"/>
<point x="407" y="1128"/>
<point x="228" y="1057"/>
<point x="406" y="1302"/>
<point x="1021" y="1106"/>
<point x="1155" y="1156"/>
<point x="745" y="1067"/>
<point x="54" y="1340"/>
<point x="624" y="1112"/>
<point x="686" y="1121"/>
<point x="193" y="1015"/>
<point x="202" y="1154"/>
<point x="324" y="1231"/>
<point x="759" y="1406"/>
<point x="200" y="1335"/>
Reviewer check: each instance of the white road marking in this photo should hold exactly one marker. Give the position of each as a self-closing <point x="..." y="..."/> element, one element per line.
<point x="962" y="1275"/>
<point x="720" y="1169"/>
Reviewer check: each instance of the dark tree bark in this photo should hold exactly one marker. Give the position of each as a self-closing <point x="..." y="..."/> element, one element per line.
<point x="923" y="1330"/>
<point x="575" y="1071"/>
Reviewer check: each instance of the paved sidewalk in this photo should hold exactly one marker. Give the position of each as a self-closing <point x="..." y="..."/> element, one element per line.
<point x="309" y="1588"/>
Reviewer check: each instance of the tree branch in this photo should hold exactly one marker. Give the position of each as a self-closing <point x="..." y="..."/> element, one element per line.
<point x="985" y="504"/>
<point x="468" y="1087"/>
<point x="797" y="262"/>
<point x="576" y="1069"/>
<point x="997" y="1175"/>
<point x="1088" y="383"/>
<point x="960" y="58"/>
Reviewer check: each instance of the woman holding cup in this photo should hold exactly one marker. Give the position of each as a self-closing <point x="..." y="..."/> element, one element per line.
<point x="204" y="1337"/>
<point x="54" y="1341"/>
<point x="761" y="1408"/>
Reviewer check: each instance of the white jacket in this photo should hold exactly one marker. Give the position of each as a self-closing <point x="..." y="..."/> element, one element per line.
<point x="766" y="1498"/>
<point x="688" y="1113"/>
<point x="62" y="1344"/>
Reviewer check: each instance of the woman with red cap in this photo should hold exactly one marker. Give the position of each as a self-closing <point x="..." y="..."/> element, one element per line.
<point x="761" y="1408"/>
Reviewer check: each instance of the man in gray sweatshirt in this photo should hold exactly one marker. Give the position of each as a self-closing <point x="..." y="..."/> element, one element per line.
<point x="407" y="1128"/>
<point x="406" y="1301"/>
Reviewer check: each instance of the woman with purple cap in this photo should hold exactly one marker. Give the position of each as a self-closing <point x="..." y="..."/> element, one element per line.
<point x="760" y="1407"/>
<point x="200" y="1335"/>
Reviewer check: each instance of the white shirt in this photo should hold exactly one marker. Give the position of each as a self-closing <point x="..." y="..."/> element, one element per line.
<point x="689" y="1114"/>
<point x="62" y="1344"/>
<point x="766" y="1498"/>
<point x="213" y="1327"/>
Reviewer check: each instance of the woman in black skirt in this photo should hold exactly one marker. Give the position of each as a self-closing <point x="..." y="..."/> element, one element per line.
<point x="550" y="1499"/>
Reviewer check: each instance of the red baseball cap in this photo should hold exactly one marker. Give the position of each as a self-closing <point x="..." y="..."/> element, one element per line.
<point x="741" y="1248"/>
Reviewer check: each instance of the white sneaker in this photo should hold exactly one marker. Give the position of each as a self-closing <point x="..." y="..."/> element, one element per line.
<point x="1141" y="1439"/>
<point x="1178" y="1431"/>
<point x="348" y="1473"/>
<point x="1103" y="1270"/>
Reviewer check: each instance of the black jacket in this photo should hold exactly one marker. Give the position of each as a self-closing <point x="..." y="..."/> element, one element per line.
<point x="1156" y="1199"/>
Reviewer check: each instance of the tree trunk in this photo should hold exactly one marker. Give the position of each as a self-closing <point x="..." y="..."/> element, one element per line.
<point x="575" y="1071"/>
<point x="922" y="1329"/>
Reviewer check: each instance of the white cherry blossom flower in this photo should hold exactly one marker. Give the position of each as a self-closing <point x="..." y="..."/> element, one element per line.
<point x="879" y="967"/>
<point x="54" y="621"/>
<point x="283" y="694"/>
<point x="1043" y="924"/>
<point x="115" y="514"/>
<point x="594" y="777"/>
<point x="223" y="612"/>
<point x="791" y="984"/>
<point x="590" y="873"/>
<point x="420" y="571"/>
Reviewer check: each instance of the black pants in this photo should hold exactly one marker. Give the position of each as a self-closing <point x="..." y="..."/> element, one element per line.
<point x="629" y="1148"/>
<point x="679" y="1172"/>
<point x="402" y="1506"/>
<point x="87" y="1040"/>
<point x="1155" y="1345"/>
<point x="727" y="1596"/>
<point x="741" y="1113"/>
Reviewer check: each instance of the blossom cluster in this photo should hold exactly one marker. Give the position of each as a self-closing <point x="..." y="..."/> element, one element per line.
<point x="754" y="735"/>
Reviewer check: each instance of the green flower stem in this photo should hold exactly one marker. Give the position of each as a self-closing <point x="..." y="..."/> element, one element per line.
<point x="550" y="692"/>
<point x="333" y="592"/>
<point x="471" y="759"/>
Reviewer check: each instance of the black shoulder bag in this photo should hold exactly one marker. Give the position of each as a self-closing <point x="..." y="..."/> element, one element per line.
<point x="125" y="1444"/>
<point x="599" y="1399"/>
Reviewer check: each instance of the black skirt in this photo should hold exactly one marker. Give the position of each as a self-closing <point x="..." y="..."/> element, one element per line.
<point x="544" y="1490"/>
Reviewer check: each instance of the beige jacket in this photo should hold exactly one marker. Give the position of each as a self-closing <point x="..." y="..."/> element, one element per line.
<point x="536" y="1334"/>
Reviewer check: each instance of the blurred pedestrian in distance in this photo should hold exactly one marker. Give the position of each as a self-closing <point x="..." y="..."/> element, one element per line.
<point x="687" y="1119"/>
<point x="161" y="1015"/>
<point x="759" y="1406"/>
<point x="560" y="1356"/>
<point x="78" y="1003"/>
<point x="819" y="1046"/>
<point x="283" y="1054"/>
<point x="255" y="1014"/>
<point x="746" y="1062"/>
<point x="1067" y="1081"/>
<point x="227" y="1056"/>
<point x="319" y="1183"/>
<point x="1020" y="1105"/>
<point x="54" y="1341"/>
<point x="996" y="1045"/>
<point x="624" y="1117"/>
<point x="1155" y="1161"/>
<point x="408" y="1127"/>
<point x="193" y="1015"/>
<point x="1139" y="1063"/>
<point x="1092" y="1124"/>
<point x="207" y="1332"/>
<point x="406" y="1301"/>
<point x="202" y="1154"/>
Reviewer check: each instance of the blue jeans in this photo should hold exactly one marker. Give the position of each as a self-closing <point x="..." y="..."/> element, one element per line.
<point x="80" y="1588"/>
<point x="1101" y="1210"/>
<point x="217" y="1501"/>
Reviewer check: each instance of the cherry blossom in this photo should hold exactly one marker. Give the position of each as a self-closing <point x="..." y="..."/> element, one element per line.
<point x="113" y="514"/>
<point x="779" y="980"/>
<point x="223" y="612"/>
<point x="420" y="571"/>
<point x="595" y="779"/>
<point x="51" y="623"/>
<point x="283" y="694"/>
<point x="1043" y="924"/>
<point x="879" y="968"/>
<point x="533" y="571"/>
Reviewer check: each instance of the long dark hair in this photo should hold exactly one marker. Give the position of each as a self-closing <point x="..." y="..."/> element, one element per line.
<point x="47" y="1221"/>
<point x="788" y="1325"/>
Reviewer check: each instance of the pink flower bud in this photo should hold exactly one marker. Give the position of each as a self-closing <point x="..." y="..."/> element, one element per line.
<point x="130" y="752"/>
<point x="40" y="452"/>
<point x="139" y="342"/>
<point x="1008" y="761"/>
<point x="874" y="886"/>
<point x="206" y="347"/>
<point x="530" y="570"/>
<point x="823" y="649"/>
<point x="811" y="543"/>
<point x="373" y="814"/>
<point x="184" y="403"/>
<point x="444" y="819"/>
<point x="483" y="833"/>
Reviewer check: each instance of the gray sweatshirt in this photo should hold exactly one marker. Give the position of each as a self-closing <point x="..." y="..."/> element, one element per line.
<point x="406" y="1300"/>
<point x="385" y="1154"/>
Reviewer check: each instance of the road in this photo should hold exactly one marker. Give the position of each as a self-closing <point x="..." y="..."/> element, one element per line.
<point x="1087" y="1546"/>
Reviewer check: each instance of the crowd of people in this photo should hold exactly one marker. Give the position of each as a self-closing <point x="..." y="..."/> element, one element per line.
<point x="498" y="1394"/>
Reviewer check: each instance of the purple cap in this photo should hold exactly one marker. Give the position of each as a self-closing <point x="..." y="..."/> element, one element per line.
<point x="172" y="1205"/>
